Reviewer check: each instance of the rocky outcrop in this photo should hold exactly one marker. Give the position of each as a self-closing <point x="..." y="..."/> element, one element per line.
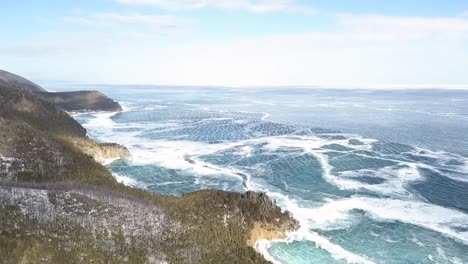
<point x="13" y="80"/>
<point x="259" y="198"/>
<point x="268" y="229"/>
<point x="81" y="101"/>
<point x="101" y="152"/>
<point x="111" y="151"/>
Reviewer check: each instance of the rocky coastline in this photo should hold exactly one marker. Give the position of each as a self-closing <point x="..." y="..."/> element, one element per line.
<point x="59" y="204"/>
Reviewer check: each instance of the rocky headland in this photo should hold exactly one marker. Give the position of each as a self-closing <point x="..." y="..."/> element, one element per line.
<point x="59" y="204"/>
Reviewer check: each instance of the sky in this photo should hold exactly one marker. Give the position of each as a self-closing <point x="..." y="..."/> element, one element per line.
<point x="336" y="43"/>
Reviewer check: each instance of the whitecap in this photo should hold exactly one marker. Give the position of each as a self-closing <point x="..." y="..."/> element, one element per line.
<point x="187" y="156"/>
<point x="127" y="180"/>
<point x="437" y="218"/>
<point x="304" y="215"/>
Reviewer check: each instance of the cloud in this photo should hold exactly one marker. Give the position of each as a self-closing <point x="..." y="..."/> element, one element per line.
<point x="402" y="28"/>
<point x="362" y="49"/>
<point x="158" y="21"/>
<point x="254" y="6"/>
<point x="33" y="50"/>
<point x="162" y="21"/>
<point x="78" y="20"/>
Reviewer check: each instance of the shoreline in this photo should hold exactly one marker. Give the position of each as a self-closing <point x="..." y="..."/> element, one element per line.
<point x="261" y="245"/>
<point x="127" y="181"/>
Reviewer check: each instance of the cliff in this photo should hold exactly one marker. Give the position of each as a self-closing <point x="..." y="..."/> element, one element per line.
<point x="101" y="152"/>
<point x="59" y="205"/>
<point x="264" y="229"/>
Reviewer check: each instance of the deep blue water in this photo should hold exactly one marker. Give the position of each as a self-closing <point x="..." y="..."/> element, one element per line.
<point x="372" y="176"/>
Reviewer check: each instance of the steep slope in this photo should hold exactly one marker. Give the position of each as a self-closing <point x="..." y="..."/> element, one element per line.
<point x="8" y="79"/>
<point x="44" y="143"/>
<point x="69" y="101"/>
<point x="22" y="106"/>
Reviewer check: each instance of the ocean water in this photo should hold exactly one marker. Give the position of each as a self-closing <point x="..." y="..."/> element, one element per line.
<point x="372" y="176"/>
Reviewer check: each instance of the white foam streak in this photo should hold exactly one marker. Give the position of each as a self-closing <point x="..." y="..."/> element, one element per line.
<point x="245" y="151"/>
<point x="262" y="247"/>
<point x="304" y="215"/>
<point x="265" y="116"/>
<point x="179" y="155"/>
<point x="437" y="218"/>
<point x="101" y="120"/>
<point x="433" y="217"/>
<point x="126" y="180"/>
<point x="402" y="207"/>
<point x="396" y="179"/>
<point x="106" y="162"/>
<point x="335" y="250"/>
<point x="443" y="160"/>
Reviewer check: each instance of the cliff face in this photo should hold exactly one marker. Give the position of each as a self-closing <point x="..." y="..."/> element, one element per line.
<point x="101" y="152"/>
<point x="268" y="231"/>
<point x="265" y="229"/>
<point x="59" y="205"/>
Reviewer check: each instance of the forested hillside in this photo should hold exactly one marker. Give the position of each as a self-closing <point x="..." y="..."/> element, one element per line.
<point x="59" y="205"/>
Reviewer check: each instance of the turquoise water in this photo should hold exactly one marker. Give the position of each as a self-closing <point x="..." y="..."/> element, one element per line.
<point x="372" y="176"/>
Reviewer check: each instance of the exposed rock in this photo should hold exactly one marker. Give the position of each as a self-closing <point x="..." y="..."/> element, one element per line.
<point x="101" y="152"/>
<point x="268" y="230"/>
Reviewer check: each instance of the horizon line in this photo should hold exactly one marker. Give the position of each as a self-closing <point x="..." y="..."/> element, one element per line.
<point x="368" y="86"/>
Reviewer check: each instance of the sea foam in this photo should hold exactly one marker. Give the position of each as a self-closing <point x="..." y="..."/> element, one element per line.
<point x="399" y="203"/>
